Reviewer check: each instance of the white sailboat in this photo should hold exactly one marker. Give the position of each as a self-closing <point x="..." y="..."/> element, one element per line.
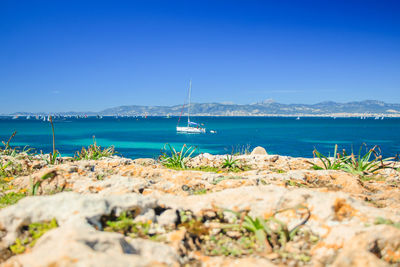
<point x="192" y="127"/>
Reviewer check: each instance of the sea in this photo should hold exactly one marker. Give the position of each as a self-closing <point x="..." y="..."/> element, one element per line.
<point x="147" y="137"/>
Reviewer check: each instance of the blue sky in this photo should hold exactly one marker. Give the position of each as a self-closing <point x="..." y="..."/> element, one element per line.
<point x="90" y="55"/>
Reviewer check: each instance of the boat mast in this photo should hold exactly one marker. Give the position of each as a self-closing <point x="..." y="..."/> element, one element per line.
<point x="190" y="90"/>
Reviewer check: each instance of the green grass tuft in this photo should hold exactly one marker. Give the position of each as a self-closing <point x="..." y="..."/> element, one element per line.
<point x="220" y="179"/>
<point x="126" y="225"/>
<point x="381" y="220"/>
<point x="35" y="231"/>
<point x="10" y="199"/>
<point x="200" y="192"/>
<point x="94" y="152"/>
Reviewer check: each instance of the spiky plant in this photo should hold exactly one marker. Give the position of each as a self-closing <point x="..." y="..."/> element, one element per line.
<point x="364" y="165"/>
<point x="94" y="152"/>
<point x="271" y="230"/>
<point x="176" y="159"/>
<point x="229" y="162"/>
<point x="55" y="154"/>
<point x="329" y="163"/>
<point x="7" y="150"/>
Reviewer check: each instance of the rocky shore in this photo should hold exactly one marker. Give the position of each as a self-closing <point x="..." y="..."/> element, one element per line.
<point x="270" y="211"/>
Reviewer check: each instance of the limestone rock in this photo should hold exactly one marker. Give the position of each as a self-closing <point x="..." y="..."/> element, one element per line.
<point x="144" y="162"/>
<point x="81" y="246"/>
<point x="343" y="211"/>
<point x="167" y="218"/>
<point x="377" y="246"/>
<point x="259" y="151"/>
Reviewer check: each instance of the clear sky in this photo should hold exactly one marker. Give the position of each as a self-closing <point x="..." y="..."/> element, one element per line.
<point x="90" y="55"/>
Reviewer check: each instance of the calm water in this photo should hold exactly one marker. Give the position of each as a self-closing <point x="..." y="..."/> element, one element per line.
<point x="146" y="137"/>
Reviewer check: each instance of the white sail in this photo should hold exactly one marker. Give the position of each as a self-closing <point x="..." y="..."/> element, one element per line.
<point x="191" y="127"/>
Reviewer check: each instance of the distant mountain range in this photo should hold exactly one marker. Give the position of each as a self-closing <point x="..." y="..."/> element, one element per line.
<point x="268" y="107"/>
<point x="265" y="108"/>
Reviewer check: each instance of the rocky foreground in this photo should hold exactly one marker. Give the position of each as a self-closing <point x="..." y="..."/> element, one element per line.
<point x="278" y="211"/>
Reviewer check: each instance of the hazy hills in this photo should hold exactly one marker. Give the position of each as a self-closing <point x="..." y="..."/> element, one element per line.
<point x="263" y="108"/>
<point x="268" y="107"/>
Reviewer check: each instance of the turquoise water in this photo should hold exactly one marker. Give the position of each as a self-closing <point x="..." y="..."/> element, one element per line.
<point x="146" y="137"/>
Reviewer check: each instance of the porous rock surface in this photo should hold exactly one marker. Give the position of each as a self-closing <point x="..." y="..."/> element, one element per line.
<point x="259" y="151"/>
<point x="343" y="211"/>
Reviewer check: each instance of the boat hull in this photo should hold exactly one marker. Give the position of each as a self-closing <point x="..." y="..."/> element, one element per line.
<point x="190" y="130"/>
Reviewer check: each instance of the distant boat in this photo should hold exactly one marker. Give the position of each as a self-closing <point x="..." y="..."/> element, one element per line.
<point x="28" y="117"/>
<point x="15" y="117"/>
<point x="192" y="127"/>
<point x="298" y="118"/>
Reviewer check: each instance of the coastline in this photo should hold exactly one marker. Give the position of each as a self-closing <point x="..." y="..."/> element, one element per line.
<point x="329" y="115"/>
<point x="269" y="108"/>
